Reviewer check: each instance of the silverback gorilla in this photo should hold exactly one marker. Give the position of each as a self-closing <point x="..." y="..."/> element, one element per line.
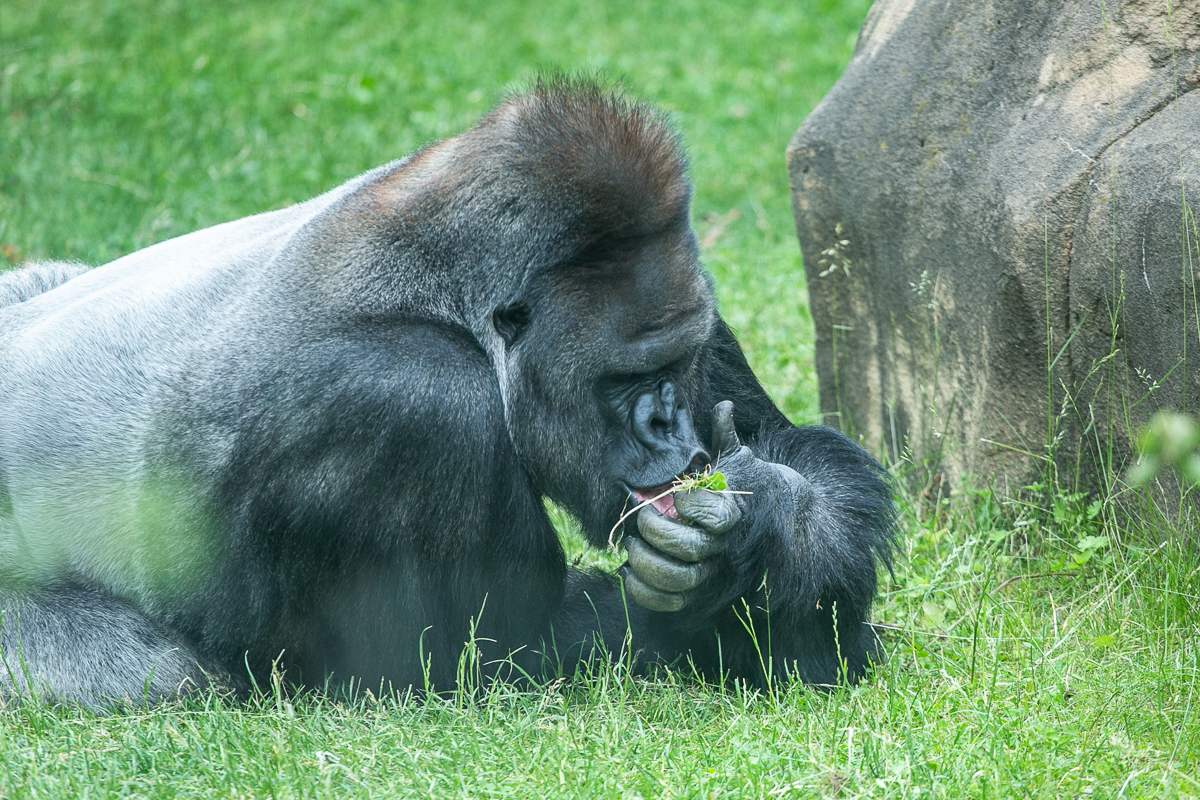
<point x="321" y="438"/>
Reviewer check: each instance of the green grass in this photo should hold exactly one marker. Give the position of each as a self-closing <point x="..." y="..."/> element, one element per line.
<point x="124" y="123"/>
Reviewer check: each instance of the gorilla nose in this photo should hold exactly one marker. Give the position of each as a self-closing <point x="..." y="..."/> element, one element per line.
<point x="657" y="417"/>
<point x="687" y="441"/>
<point x="662" y="424"/>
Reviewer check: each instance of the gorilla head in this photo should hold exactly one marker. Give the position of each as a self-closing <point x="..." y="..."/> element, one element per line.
<point x="571" y="209"/>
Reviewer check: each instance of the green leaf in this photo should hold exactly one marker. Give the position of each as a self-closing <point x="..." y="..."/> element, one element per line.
<point x="1171" y="436"/>
<point x="1107" y="640"/>
<point x="933" y="616"/>
<point x="1092" y="543"/>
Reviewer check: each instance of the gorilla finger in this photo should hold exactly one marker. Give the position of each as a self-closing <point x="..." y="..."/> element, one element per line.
<point x="647" y="597"/>
<point x="676" y="539"/>
<point x="724" y="434"/>
<point x="661" y="571"/>
<point x="712" y="511"/>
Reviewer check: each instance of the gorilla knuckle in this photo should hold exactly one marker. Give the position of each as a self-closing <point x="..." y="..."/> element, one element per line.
<point x="662" y="571"/>
<point x="651" y="598"/>
<point x="676" y="539"/>
<point x="714" y="512"/>
<point x="655" y="526"/>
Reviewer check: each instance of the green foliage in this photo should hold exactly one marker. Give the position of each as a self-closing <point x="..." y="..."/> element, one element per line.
<point x="713" y="481"/>
<point x="1170" y="441"/>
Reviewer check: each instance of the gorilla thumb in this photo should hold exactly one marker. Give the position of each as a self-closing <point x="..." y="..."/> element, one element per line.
<point x="724" y="435"/>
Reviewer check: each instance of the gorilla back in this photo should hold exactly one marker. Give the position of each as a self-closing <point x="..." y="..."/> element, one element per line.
<point x="321" y="438"/>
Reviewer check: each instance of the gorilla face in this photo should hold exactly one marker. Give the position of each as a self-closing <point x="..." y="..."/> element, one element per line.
<point x="600" y="363"/>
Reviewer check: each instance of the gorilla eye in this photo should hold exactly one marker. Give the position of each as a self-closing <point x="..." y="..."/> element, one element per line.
<point x="510" y="321"/>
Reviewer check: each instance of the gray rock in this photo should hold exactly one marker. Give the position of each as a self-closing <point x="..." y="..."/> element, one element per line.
<point x="1012" y="269"/>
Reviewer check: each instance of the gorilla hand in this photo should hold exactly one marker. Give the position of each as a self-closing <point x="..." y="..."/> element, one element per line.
<point x="672" y="558"/>
<point x="774" y="489"/>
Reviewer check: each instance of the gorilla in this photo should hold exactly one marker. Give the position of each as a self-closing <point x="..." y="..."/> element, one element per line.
<point x="321" y="440"/>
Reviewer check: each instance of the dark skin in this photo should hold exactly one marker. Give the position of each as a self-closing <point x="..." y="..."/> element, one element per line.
<point x="676" y="554"/>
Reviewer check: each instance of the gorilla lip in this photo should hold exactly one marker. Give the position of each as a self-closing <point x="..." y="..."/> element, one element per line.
<point x="661" y="497"/>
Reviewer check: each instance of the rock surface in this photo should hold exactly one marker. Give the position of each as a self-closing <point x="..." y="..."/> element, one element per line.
<point x="996" y="208"/>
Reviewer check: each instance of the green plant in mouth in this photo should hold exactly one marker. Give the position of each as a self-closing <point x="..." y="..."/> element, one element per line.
<point x="708" y="479"/>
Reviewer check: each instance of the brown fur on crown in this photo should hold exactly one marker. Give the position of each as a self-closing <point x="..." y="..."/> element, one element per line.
<point x="620" y="159"/>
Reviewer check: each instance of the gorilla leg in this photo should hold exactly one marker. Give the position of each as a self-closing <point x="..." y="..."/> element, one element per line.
<point x="81" y="646"/>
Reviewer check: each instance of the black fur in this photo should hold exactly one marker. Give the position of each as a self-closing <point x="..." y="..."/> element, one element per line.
<point x="321" y="438"/>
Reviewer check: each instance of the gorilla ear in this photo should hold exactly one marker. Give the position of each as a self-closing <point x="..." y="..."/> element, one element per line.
<point x="511" y="320"/>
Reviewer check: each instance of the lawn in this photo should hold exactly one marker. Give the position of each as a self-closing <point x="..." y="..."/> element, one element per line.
<point x="1034" y="652"/>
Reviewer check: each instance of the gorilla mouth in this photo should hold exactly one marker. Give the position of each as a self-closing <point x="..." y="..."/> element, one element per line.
<point x="661" y="497"/>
